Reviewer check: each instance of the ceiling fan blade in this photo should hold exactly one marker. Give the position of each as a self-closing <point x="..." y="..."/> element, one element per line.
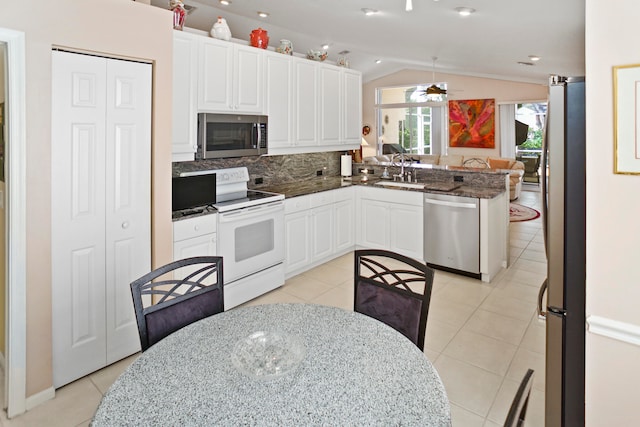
<point x="435" y="90"/>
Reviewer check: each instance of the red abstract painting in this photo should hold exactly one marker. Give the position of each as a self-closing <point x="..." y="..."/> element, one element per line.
<point x="472" y="123"/>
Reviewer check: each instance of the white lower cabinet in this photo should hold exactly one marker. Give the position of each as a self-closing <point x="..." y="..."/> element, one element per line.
<point x="194" y="237"/>
<point x="322" y="235"/>
<point x="344" y="221"/>
<point x="297" y="248"/>
<point x="318" y="227"/>
<point x="391" y="220"/>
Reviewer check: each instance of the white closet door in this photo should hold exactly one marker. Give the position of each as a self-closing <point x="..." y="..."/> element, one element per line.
<point x="78" y="215"/>
<point x="101" y="118"/>
<point x="128" y="198"/>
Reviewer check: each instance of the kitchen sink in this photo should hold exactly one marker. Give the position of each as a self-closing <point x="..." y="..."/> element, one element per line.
<point x="401" y="184"/>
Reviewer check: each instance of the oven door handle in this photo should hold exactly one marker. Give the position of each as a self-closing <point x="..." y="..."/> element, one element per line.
<point x="251" y="211"/>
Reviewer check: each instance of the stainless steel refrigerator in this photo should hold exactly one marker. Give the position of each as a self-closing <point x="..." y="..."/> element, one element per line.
<point x="564" y="212"/>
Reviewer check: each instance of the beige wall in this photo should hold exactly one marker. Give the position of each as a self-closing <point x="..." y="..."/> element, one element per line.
<point x="613" y="228"/>
<point x="109" y="27"/>
<point x="460" y="87"/>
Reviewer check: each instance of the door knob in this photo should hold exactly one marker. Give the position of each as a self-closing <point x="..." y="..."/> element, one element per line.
<point x="125" y="225"/>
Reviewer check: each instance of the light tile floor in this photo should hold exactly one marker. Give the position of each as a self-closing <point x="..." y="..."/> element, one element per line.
<point x="481" y="337"/>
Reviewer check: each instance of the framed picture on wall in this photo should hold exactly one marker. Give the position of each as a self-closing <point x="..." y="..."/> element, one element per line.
<point x="472" y="123"/>
<point x="2" y="129"/>
<point x="626" y="108"/>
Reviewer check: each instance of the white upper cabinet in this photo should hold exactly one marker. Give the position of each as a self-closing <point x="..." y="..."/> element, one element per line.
<point x="312" y="106"/>
<point x="230" y="77"/>
<point x="305" y="104"/>
<point x="279" y="98"/>
<point x="325" y="108"/>
<point x="185" y="84"/>
<point x="330" y="105"/>
<point x="351" y="107"/>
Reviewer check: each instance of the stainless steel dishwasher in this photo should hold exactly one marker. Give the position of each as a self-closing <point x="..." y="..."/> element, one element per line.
<point x="452" y="232"/>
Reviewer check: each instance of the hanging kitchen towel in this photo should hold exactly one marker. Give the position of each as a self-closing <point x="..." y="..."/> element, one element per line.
<point x="345" y="165"/>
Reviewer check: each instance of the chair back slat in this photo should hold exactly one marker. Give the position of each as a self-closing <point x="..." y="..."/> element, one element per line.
<point x="393" y="289"/>
<point x="518" y="409"/>
<point x="173" y="303"/>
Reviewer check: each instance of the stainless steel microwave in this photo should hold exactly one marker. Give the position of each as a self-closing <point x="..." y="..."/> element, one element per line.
<point x="231" y="135"/>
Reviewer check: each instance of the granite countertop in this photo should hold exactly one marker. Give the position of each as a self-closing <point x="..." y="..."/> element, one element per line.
<point x="326" y="183"/>
<point x="310" y="186"/>
<point x="357" y="371"/>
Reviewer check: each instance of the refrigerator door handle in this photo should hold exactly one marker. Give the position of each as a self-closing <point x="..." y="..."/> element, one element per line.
<point x="556" y="311"/>
<point x="542" y="314"/>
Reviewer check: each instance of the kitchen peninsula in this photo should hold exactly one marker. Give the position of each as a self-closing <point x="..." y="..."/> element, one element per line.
<point x="328" y="216"/>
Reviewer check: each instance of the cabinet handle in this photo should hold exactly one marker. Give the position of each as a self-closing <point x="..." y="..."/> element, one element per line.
<point x="125" y="225"/>
<point x="196" y="227"/>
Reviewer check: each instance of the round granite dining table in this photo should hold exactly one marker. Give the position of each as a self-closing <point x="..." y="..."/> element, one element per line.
<point x="356" y="371"/>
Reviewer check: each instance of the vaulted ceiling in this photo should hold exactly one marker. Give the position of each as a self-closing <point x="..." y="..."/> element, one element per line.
<point x="494" y="41"/>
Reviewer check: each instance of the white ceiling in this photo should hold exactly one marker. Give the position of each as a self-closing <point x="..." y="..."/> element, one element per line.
<point x="489" y="43"/>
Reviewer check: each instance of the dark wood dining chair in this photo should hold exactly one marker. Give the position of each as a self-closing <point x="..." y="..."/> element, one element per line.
<point x="518" y="409"/>
<point x="176" y="295"/>
<point x="395" y="290"/>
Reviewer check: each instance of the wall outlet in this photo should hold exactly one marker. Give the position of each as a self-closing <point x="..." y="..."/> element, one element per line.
<point x="258" y="181"/>
<point x="458" y="178"/>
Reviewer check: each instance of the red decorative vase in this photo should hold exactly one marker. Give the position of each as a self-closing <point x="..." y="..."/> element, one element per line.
<point x="179" y="14"/>
<point x="259" y="38"/>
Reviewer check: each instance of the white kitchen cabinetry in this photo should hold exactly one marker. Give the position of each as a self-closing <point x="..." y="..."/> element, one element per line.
<point x="351" y="108"/>
<point x="324" y="103"/>
<point x="279" y="99"/>
<point x="344" y="220"/>
<point x="494" y="235"/>
<point x="391" y="220"/>
<point x="194" y="237"/>
<point x="322" y="227"/>
<point x="318" y="227"/>
<point x="305" y="104"/>
<point x="297" y="232"/>
<point x="331" y="105"/>
<point x="185" y="76"/>
<point x="101" y="208"/>
<point x="230" y="77"/>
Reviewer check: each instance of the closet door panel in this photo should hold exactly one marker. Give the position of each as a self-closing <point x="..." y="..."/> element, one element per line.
<point x="128" y="198"/>
<point x="77" y="215"/>
<point x="101" y="196"/>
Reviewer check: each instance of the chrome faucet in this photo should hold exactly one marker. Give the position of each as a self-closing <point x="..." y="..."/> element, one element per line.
<point x="401" y="174"/>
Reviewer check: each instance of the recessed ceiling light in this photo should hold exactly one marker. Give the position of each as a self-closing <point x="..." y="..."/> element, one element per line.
<point x="408" y="6"/>
<point x="534" y="58"/>
<point x="465" y="11"/>
<point x="225" y="2"/>
<point x="378" y="61"/>
<point x="368" y="11"/>
<point x="325" y="46"/>
<point x="263" y="14"/>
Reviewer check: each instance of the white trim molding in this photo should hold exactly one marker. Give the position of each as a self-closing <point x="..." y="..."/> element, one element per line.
<point x="16" y="190"/>
<point x="620" y="331"/>
<point x="39" y="398"/>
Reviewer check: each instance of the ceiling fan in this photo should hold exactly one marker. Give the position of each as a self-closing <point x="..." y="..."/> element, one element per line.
<point x="433" y="90"/>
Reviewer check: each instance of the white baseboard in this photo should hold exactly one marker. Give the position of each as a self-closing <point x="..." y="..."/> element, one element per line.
<point x="39" y="398"/>
<point x="620" y="331"/>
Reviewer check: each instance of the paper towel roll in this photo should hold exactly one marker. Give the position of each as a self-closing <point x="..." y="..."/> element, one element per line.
<point x="345" y="165"/>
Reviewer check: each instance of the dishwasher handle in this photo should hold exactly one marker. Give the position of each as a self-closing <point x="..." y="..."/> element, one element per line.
<point x="451" y="204"/>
